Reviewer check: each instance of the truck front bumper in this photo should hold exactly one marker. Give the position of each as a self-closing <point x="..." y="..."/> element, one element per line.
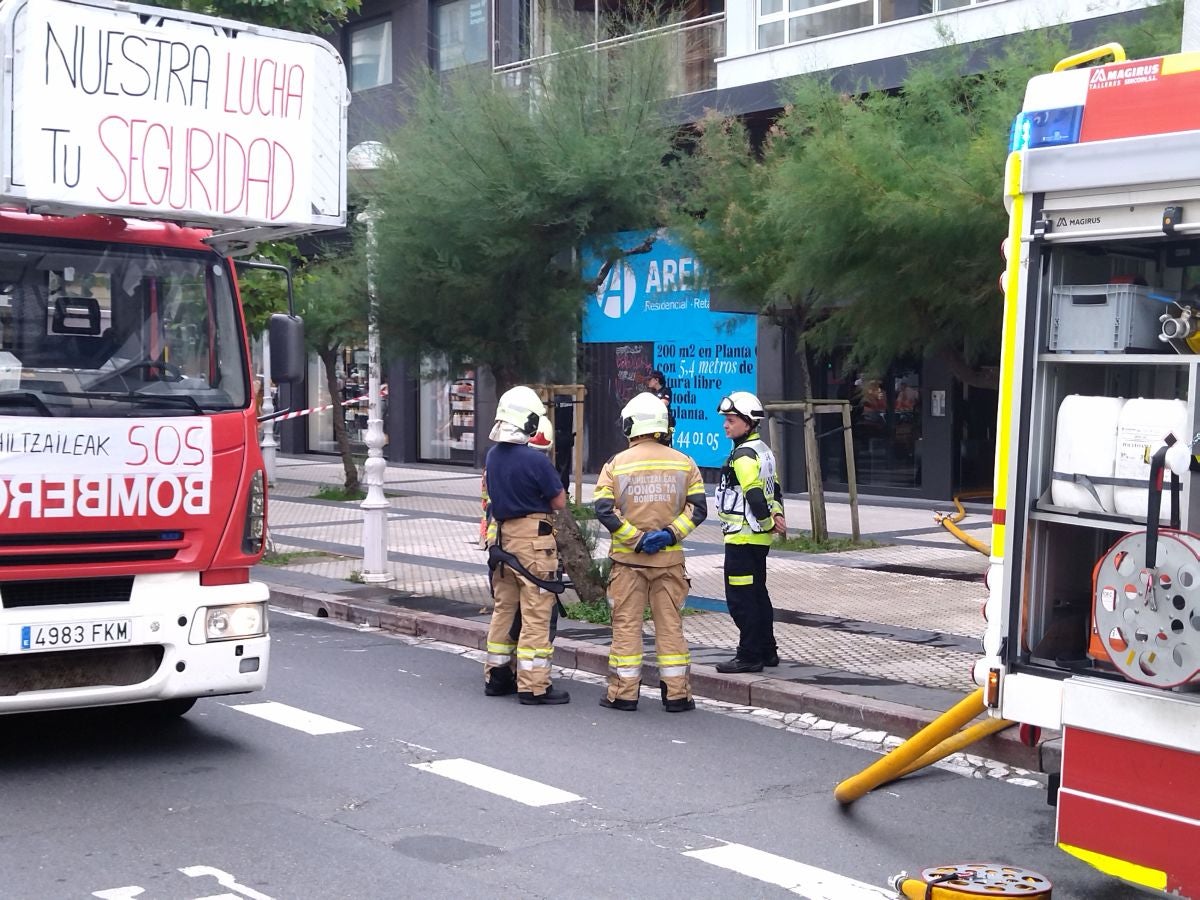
<point x="156" y="646"/>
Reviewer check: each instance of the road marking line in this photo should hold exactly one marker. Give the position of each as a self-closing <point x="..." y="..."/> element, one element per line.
<point x="496" y="781"/>
<point x="807" y="881"/>
<point x="282" y="714"/>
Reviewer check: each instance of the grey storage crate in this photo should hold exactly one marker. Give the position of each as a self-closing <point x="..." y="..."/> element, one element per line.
<point x="1105" y="318"/>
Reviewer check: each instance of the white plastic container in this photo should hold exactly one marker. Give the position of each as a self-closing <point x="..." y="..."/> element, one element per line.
<point x="1143" y="425"/>
<point x="1085" y="440"/>
<point x="10" y="372"/>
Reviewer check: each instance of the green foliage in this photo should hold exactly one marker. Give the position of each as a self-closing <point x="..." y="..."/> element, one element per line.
<point x="264" y="292"/>
<point x="286" y="558"/>
<point x="340" y="494"/>
<point x="292" y="15"/>
<point x="493" y="188"/>
<point x="803" y="543"/>
<point x="331" y="297"/>
<point x="873" y="221"/>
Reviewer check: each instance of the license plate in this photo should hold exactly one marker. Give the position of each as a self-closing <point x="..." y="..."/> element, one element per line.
<point x="75" y="634"/>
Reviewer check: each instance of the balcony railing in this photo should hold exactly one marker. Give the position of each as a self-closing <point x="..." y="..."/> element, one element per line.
<point x="691" y="50"/>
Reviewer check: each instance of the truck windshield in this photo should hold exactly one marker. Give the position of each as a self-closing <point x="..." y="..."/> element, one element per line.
<point x="117" y="330"/>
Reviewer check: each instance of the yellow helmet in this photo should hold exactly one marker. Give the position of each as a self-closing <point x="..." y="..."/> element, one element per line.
<point x="644" y="414"/>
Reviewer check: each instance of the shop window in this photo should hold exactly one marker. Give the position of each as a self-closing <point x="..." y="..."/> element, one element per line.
<point x="370" y="55"/>
<point x="461" y="31"/>
<point x="447" y="427"/>
<point x="886" y="419"/>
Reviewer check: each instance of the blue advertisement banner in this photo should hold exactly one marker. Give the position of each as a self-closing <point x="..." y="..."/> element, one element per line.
<point x="654" y="309"/>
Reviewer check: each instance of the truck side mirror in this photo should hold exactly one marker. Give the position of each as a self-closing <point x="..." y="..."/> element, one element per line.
<point x="287" y="348"/>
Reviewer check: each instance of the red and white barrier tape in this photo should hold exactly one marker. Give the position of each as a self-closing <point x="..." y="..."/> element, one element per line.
<point x="363" y="400"/>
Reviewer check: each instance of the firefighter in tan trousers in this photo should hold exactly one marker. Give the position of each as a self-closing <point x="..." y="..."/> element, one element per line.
<point x="650" y="497"/>
<point x="524" y="490"/>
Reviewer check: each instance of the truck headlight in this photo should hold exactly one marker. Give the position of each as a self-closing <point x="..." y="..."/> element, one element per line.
<point x="229" y="623"/>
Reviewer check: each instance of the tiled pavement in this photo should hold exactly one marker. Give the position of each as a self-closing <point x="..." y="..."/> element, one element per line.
<point x="899" y="622"/>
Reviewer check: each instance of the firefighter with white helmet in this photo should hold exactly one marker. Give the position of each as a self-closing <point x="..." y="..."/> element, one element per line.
<point x="523" y="491"/>
<point x="650" y="497"/>
<point x="750" y="506"/>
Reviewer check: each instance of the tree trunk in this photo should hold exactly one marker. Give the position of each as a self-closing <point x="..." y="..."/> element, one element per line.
<point x="812" y="450"/>
<point x="328" y="357"/>
<point x="577" y="557"/>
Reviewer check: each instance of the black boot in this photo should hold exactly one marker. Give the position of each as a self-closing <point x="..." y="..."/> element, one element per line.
<point x="502" y="682"/>
<point x="552" y="697"/>
<point x="682" y="704"/>
<point x="737" y="666"/>
<point x="623" y="705"/>
<point x="771" y="660"/>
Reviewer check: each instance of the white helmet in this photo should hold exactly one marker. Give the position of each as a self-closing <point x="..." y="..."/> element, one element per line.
<point x="744" y="405"/>
<point x="644" y="414"/>
<point x="522" y="408"/>
<point x="543" y="438"/>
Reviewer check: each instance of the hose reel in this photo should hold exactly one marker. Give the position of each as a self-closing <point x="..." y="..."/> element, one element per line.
<point x="1146" y="593"/>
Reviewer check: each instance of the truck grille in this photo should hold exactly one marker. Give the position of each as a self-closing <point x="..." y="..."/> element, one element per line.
<point x="109" y="667"/>
<point x="14" y="594"/>
<point x="89" y="547"/>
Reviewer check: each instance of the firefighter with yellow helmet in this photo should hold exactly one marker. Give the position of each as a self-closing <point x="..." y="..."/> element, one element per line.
<point x="750" y="505"/>
<point x="523" y="491"/>
<point x="650" y="497"/>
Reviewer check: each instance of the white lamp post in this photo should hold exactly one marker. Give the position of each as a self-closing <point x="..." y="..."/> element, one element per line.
<point x="362" y="160"/>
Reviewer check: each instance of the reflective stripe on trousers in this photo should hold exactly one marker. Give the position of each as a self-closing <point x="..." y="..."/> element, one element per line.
<point x="500" y="654"/>
<point x="674" y="665"/>
<point x="625" y="666"/>
<point x="534" y="657"/>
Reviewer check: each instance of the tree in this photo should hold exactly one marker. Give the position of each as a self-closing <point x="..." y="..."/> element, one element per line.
<point x="331" y="296"/>
<point x="874" y="220"/>
<point x="293" y="15"/>
<point x="492" y="191"/>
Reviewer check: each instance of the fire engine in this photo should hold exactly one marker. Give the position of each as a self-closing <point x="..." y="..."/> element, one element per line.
<point x="140" y="148"/>
<point x="1094" y="585"/>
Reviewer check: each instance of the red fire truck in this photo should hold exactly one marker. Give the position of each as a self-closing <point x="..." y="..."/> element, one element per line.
<point x="1094" y="588"/>
<point x="139" y="149"/>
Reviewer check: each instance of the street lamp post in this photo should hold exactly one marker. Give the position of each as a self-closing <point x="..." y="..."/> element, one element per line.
<point x="364" y="159"/>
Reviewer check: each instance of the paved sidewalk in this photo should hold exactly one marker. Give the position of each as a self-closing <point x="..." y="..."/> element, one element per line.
<point x="892" y="629"/>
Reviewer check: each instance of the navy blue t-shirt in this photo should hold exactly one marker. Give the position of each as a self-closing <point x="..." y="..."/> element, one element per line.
<point x="520" y="481"/>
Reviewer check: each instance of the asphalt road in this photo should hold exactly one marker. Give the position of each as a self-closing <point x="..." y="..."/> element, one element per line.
<point x="239" y="800"/>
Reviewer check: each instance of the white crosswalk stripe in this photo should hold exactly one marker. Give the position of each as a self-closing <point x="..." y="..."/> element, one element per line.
<point x="497" y="781"/>
<point x="290" y="716"/>
<point x="807" y="881"/>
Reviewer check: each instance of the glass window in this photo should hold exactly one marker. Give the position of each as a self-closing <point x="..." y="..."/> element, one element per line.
<point x="370" y="55"/>
<point x="461" y="28"/>
<point x="114" y="330"/>
<point x="819" y="24"/>
<point x="892" y="10"/>
<point x="769" y="7"/>
<point x="447" y="429"/>
<point x="770" y="34"/>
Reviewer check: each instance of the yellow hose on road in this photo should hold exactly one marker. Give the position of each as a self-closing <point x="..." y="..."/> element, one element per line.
<point x="898" y="761"/>
<point x="950" y="521"/>
<point x="956" y="742"/>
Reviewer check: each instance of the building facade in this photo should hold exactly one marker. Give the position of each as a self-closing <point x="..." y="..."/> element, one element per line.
<point x="917" y="431"/>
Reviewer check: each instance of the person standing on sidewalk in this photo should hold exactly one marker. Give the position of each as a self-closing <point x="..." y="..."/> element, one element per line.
<point x="524" y="491"/>
<point x="750" y="505"/>
<point x="656" y="383"/>
<point x="650" y="497"/>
